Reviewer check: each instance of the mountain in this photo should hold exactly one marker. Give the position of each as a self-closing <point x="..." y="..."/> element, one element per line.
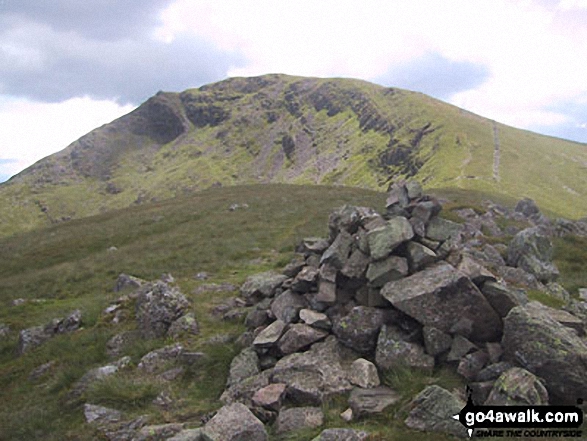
<point x="284" y="129"/>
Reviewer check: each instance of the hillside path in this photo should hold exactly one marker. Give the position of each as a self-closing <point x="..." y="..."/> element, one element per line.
<point x="496" y="152"/>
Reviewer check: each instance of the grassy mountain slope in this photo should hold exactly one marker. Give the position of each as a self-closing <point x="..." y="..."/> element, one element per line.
<point x="283" y="129"/>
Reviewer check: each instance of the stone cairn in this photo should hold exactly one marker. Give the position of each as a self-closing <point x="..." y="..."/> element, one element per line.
<point x="392" y="291"/>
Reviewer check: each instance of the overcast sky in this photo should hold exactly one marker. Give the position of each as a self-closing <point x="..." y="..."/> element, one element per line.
<point x="68" y="66"/>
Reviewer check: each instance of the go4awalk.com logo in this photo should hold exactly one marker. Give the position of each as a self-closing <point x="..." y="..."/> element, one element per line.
<point x="521" y="421"/>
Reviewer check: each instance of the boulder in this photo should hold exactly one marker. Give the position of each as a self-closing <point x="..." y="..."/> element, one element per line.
<point x="158" y="432"/>
<point x="244" y="391"/>
<point x="537" y="342"/>
<point x="287" y="306"/>
<point x="459" y="348"/>
<point x="435" y="341"/>
<point x="383" y="240"/>
<point x="315" y="319"/>
<point x="366" y="402"/>
<point x="299" y="336"/>
<point x="359" y="328"/>
<point x="394" y="350"/>
<point x="419" y="256"/>
<point x="184" y="326"/>
<point x="188" y="435"/>
<point x="297" y="418"/>
<point x="159" y="359"/>
<point x="441" y="297"/>
<point x="270" y="397"/>
<point x="502" y="298"/>
<point x="314" y="375"/>
<point x="517" y="387"/>
<point x="262" y="285"/>
<point x="471" y="364"/>
<point x="127" y="281"/>
<point x="382" y="271"/>
<point x="442" y="229"/>
<point x="532" y="251"/>
<point x="475" y="271"/>
<point x="312" y="245"/>
<point x="100" y="415"/>
<point x="158" y="306"/>
<point x="234" y="422"/>
<point x="337" y="254"/>
<point x="432" y="410"/>
<point x="305" y="280"/>
<point x="295" y="266"/>
<point x="243" y="366"/>
<point x="96" y="374"/>
<point x="269" y="336"/>
<point x="493" y="371"/>
<point x="364" y="374"/>
<point x="356" y="265"/>
<point x="32" y="337"/>
<point x="527" y="207"/>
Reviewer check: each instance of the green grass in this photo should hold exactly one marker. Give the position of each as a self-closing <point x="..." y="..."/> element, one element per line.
<point x="570" y="255"/>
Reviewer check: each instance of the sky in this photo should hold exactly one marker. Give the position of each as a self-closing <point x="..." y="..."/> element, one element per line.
<point x="69" y="66"/>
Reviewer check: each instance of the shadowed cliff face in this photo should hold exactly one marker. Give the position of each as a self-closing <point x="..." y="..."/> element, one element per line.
<point x="278" y="128"/>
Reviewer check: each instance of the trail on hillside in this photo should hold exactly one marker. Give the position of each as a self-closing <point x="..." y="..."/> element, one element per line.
<point x="496" y="152"/>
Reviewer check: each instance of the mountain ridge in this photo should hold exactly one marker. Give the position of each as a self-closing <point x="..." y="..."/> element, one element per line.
<point x="284" y="129"/>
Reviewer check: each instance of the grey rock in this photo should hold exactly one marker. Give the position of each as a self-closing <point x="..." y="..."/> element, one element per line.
<point x="397" y="196"/>
<point x="256" y="318"/>
<point x="503" y="299"/>
<point x="32" y="337"/>
<point x="517" y="387"/>
<point x="338" y="253"/>
<point x="339" y="434"/>
<point x="556" y="290"/>
<point x="296" y="418"/>
<point x="117" y="345"/>
<point x="244" y="391"/>
<point x="414" y="190"/>
<point x="270" y="397"/>
<point x="158" y="306"/>
<point x="299" y="336"/>
<point x="326" y="291"/>
<point x="295" y="266"/>
<point x="260" y="286"/>
<point x="382" y="271"/>
<point x="159" y="359"/>
<point x="42" y="370"/>
<point x="315" y="319"/>
<point x="305" y="280"/>
<point x="312" y="245"/>
<point x="527" y="207"/>
<point x="493" y="371"/>
<point x="356" y="265"/>
<point x="537" y="342"/>
<point x="359" y="328"/>
<point x="269" y="336"/>
<point x="383" y="240"/>
<point x="127" y="281"/>
<point x="314" y="375"/>
<point x="435" y="341"/>
<point x="100" y="415"/>
<point x="426" y="210"/>
<point x="287" y="306"/>
<point x="184" y="326"/>
<point x="96" y="374"/>
<point x="475" y="271"/>
<point x="442" y="229"/>
<point x="348" y="219"/>
<point x="188" y="435"/>
<point x="518" y="277"/>
<point x="158" y="432"/>
<point x="234" y="422"/>
<point x="394" y="350"/>
<point x="459" y="348"/>
<point x="480" y="391"/>
<point x="366" y="402"/>
<point x="471" y="364"/>
<point x="432" y="411"/>
<point x="440" y="296"/>
<point x="243" y="366"/>
<point x="4" y="331"/>
<point x="532" y="251"/>
<point x="364" y="374"/>
<point x="419" y="256"/>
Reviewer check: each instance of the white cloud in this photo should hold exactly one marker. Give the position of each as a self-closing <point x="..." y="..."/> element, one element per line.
<point x="32" y="130"/>
<point x="534" y="60"/>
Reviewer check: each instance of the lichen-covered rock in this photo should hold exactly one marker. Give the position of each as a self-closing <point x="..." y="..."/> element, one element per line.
<point x="315" y="319"/>
<point x="338" y="253"/>
<point x="435" y="341"/>
<point x="159" y="359"/>
<point x="262" y="285"/>
<point x="517" y="387"/>
<point x="394" y="350"/>
<point x="299" y="336"/>
<point x="305" y="280"/>
<point x="270" y="397"/>
<point x="158" y="306"/>
<point x="234" y="422"/>
<point x="442" y="297"/>
<point x="442" y="229"/>
<point x="383" y="240"/>
<point x="243" y="366"/>
<point x="432" y="411"/>
<point x="100" y="415"/>
<point x="419" y="256"/>
<point x="537" y="342"/>
<point x="382" y="271"/>
<point x="532" y="251"/>
<point x="32" y="337"/>
<point x="359" y="328"/>
<point x="269" y="336"/>
<point x="287" y="306"/>
<point x="365" y="402"/>
<point x="342" y="435"/>
<point x="502" y="298"/>
<point x="296" y="418"/>
<point x="158" y="432"/>
<point x="185" y="325"/>
<point x="364" y="374"/>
